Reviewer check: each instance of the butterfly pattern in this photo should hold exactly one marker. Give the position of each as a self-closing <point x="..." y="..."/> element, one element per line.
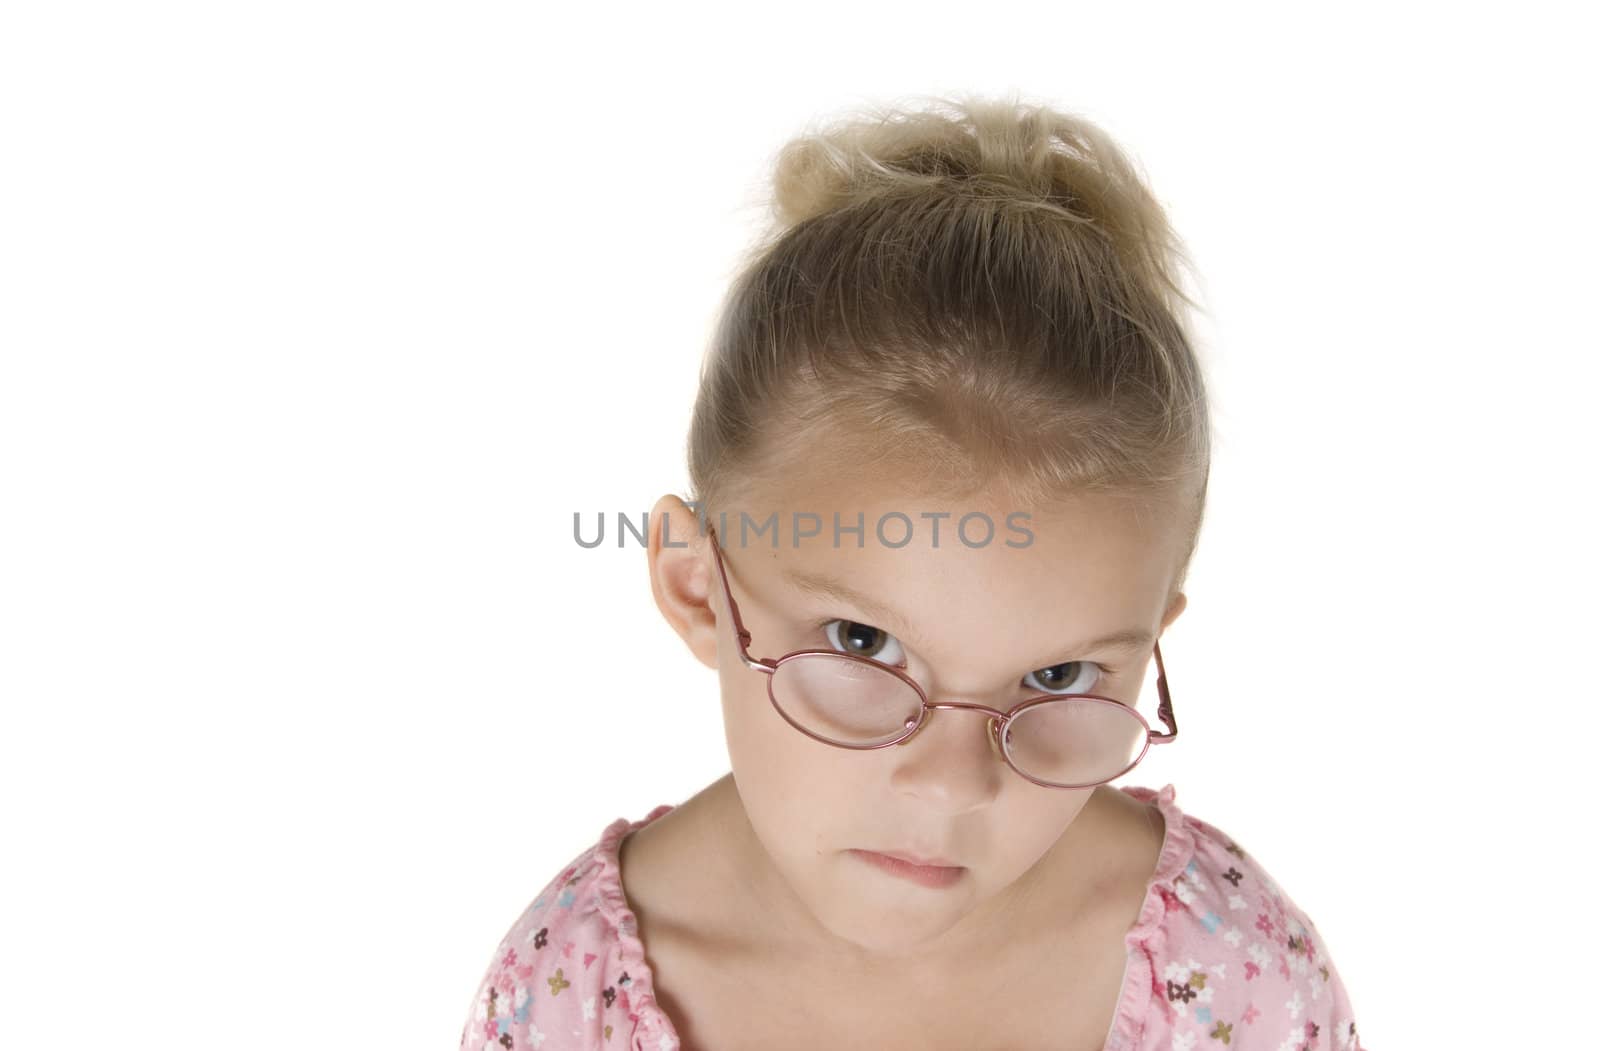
<point x="1219" y="958"/>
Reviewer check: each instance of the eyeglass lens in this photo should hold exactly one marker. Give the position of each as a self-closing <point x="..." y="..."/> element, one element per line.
<point x="855" y="703"/>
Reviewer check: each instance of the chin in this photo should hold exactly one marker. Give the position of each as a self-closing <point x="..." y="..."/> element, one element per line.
<point x="884" y="922"/>
<point x="879" y="941"/>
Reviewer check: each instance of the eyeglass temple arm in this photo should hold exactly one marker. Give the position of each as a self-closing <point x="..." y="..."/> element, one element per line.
<point x="1164" y="706"/>
<point x="739" y="631"/>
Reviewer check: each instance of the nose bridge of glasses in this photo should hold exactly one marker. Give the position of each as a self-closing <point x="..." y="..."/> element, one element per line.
<point x="991" y="721"/>
<point x="994" y="718"/>
<point x="971" y="706"/>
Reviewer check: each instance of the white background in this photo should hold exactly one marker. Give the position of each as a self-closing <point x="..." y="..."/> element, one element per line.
<point x="320" y="320"/>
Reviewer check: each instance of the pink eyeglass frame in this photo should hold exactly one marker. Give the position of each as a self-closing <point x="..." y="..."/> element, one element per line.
<point x="998" y="719"/>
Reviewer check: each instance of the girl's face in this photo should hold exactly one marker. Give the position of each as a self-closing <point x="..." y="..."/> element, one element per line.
<point x="993" y="624"/>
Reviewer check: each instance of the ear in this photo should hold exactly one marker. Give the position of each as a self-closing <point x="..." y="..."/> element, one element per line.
<point x="681" y="576"/>
<point x="1179" y="603"/>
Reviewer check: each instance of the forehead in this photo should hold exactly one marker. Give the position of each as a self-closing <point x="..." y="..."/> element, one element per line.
<point x="902" y="526"/>
<point x="975" y="580"/>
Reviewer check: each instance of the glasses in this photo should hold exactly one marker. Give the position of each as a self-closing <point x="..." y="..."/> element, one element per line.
<point x="850" y="701"/>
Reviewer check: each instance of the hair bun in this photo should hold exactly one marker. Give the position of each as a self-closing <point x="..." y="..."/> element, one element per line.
<point x="1010" y="155"/>
<point x="968" y="146"/>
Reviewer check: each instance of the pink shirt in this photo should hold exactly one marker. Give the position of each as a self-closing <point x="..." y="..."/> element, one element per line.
<point x="1218" y="958"/>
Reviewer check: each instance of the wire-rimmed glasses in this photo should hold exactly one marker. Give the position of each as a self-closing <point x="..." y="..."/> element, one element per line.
<point x="852" y="701"/>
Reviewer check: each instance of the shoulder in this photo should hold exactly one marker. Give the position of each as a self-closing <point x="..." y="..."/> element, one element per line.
<point x="1228" y="955"/>
<point x="564" y="971"/>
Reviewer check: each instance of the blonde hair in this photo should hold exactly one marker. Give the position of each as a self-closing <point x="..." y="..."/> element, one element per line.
<point x="982" y="291"/>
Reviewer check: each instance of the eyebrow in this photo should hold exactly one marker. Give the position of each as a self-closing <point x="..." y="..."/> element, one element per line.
<point x="826" y="587"/>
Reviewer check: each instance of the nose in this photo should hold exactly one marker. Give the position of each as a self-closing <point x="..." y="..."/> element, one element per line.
<point x="949" y="762"/>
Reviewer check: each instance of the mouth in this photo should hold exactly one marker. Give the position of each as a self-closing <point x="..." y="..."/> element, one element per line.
<point x="925" y="872"/>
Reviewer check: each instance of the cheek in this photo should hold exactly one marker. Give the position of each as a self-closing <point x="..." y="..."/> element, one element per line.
<point x="1055" y="811"/>
<point x="746" y="712"/>
<point x="763" y="743"/>
<point x="1025" y="825"/>
<point x="779" y="770"/>
<point x="762" y="749"/>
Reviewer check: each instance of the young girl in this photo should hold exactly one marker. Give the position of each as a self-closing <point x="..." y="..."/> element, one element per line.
<point x="949" y="458"/>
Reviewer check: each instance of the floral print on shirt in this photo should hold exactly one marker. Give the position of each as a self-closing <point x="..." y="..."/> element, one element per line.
<point x="1219" y="958"/>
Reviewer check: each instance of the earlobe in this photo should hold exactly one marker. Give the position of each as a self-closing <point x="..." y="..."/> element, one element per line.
<point x="1179" y="603"/>
<point x="680" y="578"/>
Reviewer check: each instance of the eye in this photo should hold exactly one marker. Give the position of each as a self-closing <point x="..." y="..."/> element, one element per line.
<point x="864" y="640"/>
<point x="1070" y="677"/>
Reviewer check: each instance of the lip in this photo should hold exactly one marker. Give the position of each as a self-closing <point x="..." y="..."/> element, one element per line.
<point x="926" y="875"/>
<point x="916" y="859"/>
